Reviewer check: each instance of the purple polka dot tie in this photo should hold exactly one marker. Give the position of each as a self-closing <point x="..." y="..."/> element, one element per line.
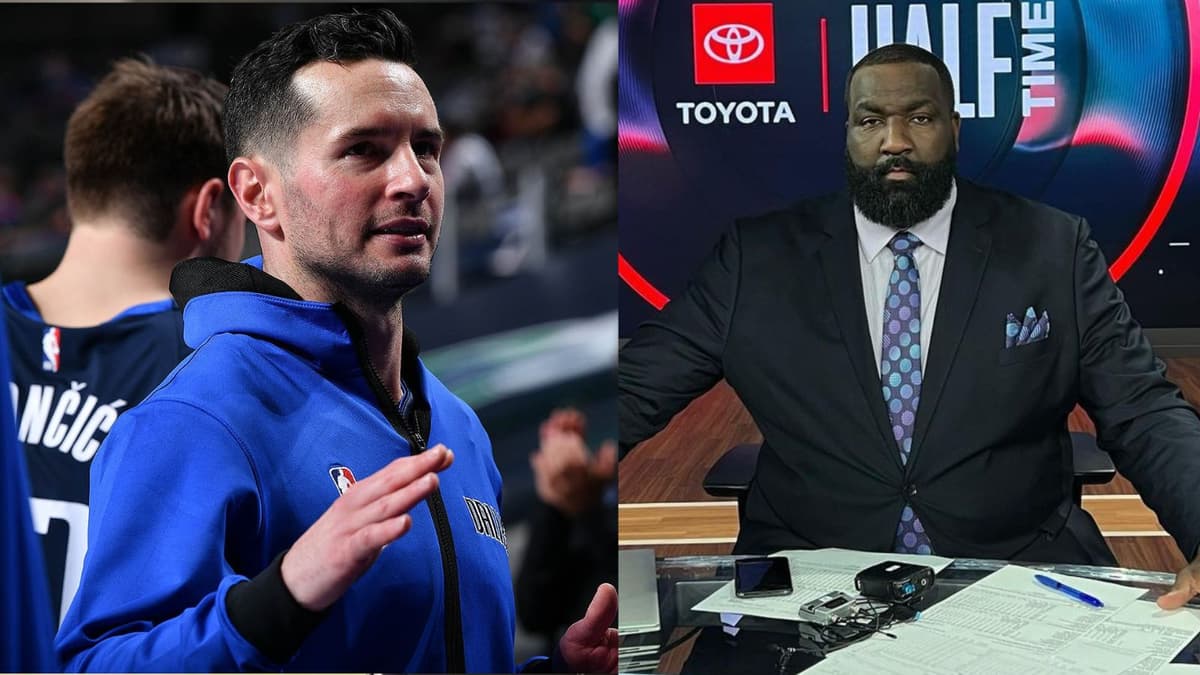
<point x="900" y="371"/>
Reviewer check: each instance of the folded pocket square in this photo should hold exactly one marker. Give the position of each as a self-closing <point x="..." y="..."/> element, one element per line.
<point x="1027" y="330"/>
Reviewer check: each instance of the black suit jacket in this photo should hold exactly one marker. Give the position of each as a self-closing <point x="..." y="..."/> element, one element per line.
<point x="778" y="311"/>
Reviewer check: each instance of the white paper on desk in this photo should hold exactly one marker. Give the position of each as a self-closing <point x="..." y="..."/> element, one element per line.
<point x="1140" y="638"/>
<point x="814" y="573"/>
<point x="1009" y="608"/>
<point x="918" y="651"/>
<point x="1003" y="624"/>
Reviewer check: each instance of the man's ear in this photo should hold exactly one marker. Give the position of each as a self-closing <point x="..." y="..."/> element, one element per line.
<point x="248" y="179"/>
<point x="202" y="215"/>
<point x="956" y="120"/>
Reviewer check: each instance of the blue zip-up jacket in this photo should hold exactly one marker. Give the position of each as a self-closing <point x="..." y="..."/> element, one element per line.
<point x="237" y="453"/>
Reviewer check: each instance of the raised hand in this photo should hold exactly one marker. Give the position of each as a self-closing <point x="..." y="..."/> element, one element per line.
<point x="345" y="541"/>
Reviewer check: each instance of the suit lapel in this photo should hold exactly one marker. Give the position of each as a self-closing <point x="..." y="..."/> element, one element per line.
<point x="843" y="277"/>
<point x="966" y="259"/>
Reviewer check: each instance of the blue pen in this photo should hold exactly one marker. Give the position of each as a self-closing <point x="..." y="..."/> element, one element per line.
<point x="1063" y="588"/>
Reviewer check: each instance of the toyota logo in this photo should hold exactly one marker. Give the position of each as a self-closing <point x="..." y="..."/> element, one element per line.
<point x="734" y="43"/>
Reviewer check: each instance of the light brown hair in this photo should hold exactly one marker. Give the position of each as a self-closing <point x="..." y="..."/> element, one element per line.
<point x="144" y="136"/>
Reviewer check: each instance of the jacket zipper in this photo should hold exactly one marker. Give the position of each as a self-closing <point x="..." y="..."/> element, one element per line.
<point x="455" y="653"/>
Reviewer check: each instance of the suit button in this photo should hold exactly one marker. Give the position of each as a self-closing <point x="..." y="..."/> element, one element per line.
<point x="910" y="490"/>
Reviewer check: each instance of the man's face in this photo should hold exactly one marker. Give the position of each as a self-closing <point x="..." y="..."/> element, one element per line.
<point x="362" y="184"/>
<point x="901" y="143"/>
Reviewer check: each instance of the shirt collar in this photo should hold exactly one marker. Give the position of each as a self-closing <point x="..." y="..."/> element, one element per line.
<point x="933" y="232"/>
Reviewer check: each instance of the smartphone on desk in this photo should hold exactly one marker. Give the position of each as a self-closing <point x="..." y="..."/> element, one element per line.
<point x="762" y="576"/>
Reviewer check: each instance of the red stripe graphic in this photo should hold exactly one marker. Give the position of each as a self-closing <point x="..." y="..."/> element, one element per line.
<point x="824" y="66"/>
<point x="1183" y="153"/>
<point x="639" y="284"/>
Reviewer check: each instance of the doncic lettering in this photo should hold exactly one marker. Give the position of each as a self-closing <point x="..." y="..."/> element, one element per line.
<point x="740" y="112"/>
<point x="63" y="420"/>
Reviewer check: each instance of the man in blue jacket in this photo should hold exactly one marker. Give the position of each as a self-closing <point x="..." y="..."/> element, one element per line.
<point x="301" y="493"/>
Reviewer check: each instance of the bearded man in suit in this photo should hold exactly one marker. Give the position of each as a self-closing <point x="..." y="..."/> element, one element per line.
<point x="910" y="351"/>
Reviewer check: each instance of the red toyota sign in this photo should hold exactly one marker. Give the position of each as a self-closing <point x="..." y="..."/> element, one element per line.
<point x="734" y="43"/>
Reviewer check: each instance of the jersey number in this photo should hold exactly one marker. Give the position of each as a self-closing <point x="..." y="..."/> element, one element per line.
<point x="76" y="517"/>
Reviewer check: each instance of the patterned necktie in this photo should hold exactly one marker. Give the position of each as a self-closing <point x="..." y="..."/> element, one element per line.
<point x="900" y="371"/>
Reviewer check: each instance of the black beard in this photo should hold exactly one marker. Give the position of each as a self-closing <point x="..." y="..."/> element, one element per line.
<point x="901" y="204"/>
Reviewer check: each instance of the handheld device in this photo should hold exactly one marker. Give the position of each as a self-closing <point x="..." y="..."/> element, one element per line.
<point x="893" y="581"/>
<point x="762" y="576"/>
<point x="828" y="608"/>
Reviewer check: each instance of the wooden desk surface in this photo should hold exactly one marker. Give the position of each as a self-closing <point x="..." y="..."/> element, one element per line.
<point x="663" y="503"/>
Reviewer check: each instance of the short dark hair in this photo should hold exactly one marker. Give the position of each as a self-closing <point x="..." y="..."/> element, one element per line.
<point x="900" y="52"/>
<point x="263" y="109"/>
<point x="140" y="140"/>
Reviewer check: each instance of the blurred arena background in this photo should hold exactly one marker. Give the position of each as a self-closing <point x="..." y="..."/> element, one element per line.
<point x="519" y="316"/>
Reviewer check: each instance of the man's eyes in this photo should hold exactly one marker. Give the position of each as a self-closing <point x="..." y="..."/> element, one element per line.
<point x="364" y="149"/>
<point x="374" y="150"/>
<point x="427" y="149"/>
<point x="871" y="122"/>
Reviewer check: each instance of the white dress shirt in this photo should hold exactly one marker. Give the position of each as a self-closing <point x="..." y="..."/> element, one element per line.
<point x="876" y="261"/>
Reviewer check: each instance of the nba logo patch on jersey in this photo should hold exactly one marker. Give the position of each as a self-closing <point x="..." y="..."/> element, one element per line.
<point x="51" y="341"/>
<point x="342" y="477"/>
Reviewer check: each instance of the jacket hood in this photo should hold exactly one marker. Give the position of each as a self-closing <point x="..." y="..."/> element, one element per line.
<point x="218" y="296"/>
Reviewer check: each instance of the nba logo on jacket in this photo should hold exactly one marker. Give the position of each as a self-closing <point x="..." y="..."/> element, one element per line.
<point x="342" y="477"/>
<point x="51" y="340"/>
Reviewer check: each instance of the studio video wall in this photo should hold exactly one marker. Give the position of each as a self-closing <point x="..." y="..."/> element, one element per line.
<point x="736" y="108"/>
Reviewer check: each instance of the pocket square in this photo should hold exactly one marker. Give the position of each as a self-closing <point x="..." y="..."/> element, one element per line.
<point x="1028" y="330"/>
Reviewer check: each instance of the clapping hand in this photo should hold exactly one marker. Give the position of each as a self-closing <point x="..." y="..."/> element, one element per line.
<point x="567" y="476"/>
